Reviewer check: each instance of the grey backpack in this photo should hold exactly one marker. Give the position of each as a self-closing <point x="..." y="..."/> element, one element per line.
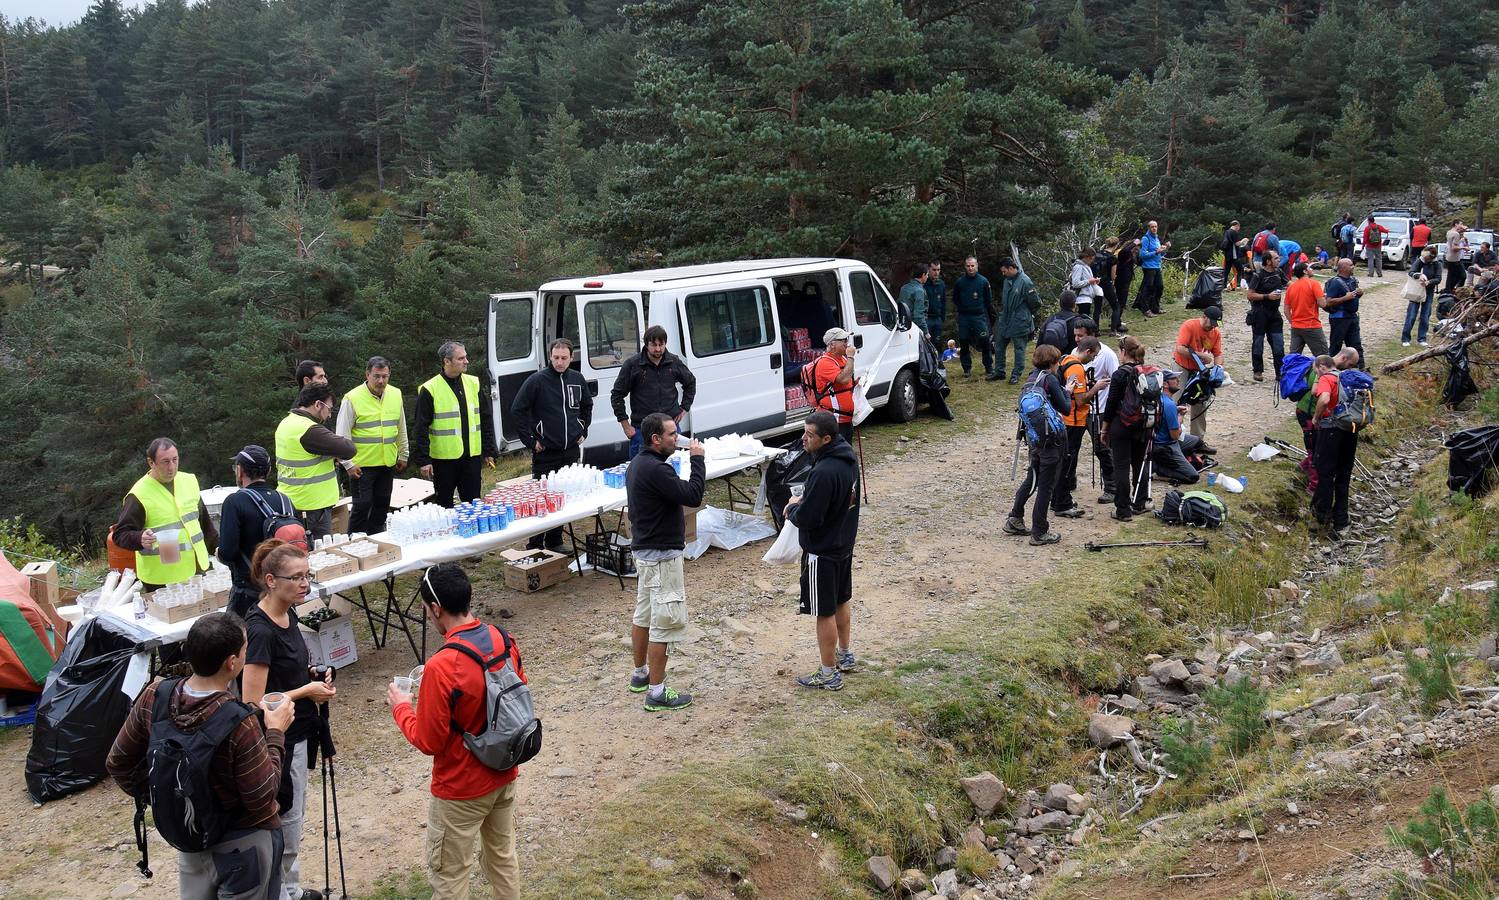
<point x="512" y="733"/>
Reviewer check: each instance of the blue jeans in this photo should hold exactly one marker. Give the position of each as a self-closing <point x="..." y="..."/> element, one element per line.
<point x="634" y="446"/>
<point x="1412" y="310"/>
<point x="1018" y="343"/>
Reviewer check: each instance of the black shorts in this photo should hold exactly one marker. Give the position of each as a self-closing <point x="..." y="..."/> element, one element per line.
<point x="827" y="583"/>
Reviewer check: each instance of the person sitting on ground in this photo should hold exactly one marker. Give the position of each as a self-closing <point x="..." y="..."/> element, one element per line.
<point x="1322" y="260"/>
<point x="1057" y="330"/>
<point x="1484" y="258"/>
<point x="1168" y="453"/>
<point x="243" y="776"/>
<point x="1046" y="455"/>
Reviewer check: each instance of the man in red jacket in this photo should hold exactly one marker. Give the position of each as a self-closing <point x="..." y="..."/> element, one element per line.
<point x="469" y="799"/>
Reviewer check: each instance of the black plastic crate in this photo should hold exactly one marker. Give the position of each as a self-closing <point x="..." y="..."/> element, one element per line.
<point x="607" y="556"/>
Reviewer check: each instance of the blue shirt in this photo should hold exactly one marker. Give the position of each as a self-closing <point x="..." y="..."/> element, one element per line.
<point x="1150" y="251"/>
<point x="1322" y="256"/>
<point x="1338" y="286"/>
<point x="1166" y="422"/>
<point x="1289" y="250"/>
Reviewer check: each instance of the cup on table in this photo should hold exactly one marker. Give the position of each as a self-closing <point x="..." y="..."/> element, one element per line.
<point x="402" y="683"/>
<point x="273" y="700"/>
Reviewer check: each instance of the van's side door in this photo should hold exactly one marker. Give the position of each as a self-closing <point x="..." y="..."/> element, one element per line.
<point x="732" y="344"/>
<point x="874" y="323"/>
<point x="611" y="328"/>
<point x="514" y="353"/>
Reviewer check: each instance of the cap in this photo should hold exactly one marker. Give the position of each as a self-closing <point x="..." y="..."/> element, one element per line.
<point x="834" y="334"/>
<point x="1169" y="375"/>
<point x="254" y="457"/>
<point x="1213" y="312"/>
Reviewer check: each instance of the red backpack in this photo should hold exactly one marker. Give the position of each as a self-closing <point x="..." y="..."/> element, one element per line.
<point x="1261" y="242"/>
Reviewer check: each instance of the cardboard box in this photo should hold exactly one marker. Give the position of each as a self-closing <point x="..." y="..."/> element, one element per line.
<point x="389" y="553"/>
<point x="531" y="570"/>
<point x="339" y="605"/>
<point x="341" y="512"/>
<point x="332" y="643"/>
<point x="349" y="566"/>
<point x="178" y="613"/>
<point x="46" y="592"/>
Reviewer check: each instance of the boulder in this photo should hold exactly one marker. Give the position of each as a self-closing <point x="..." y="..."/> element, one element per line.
<point x="946" y="858"/>
<point x="1056" y="820"/>
<point x="1056" y="796"/>
<point x="1107" y="731"/>
<point x="913" y="881"/>
<point x="945" y="884"/>
<point x="1077" y="804"/>
<point x="1200" y="683"/>
<point x="883" y="873"/>
<point x="1207" y="656"/>
<point x="1169" y="671"/>
<point x="985" y="791"/>
<point x="1320" y="661"/>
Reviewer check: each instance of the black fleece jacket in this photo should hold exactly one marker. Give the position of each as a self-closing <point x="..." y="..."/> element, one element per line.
<point x="827" y="518"/>
<point x="656" y="495"/>
<point x="652" y="388"/>
<point x="553" y="410"/>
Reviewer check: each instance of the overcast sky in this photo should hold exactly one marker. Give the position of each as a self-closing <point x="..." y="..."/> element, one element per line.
<point x="53" y="12"/>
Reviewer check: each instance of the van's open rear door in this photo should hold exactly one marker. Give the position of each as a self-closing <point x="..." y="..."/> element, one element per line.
<point x="514" y="353"/>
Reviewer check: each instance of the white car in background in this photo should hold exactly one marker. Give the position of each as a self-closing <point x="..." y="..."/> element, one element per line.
<point x="1397" y="243"/>
<point x="1476" y="240"/>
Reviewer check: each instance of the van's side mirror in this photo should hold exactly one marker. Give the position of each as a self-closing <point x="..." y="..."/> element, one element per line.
<point x="902" y="317"/>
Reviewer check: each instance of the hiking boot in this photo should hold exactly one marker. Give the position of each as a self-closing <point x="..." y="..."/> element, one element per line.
<point x="846" y="660"/>
<point x="1105" y="498"/>
<point x="1015" y="527"/>
<point x="833" y="682"/>
<point x="992" y="376"/>
<point x="1073" y="512"/>
<point x="1050" y="537"/>
<point x="668" y="701"/>
<point x="1259" y="376"/>
<point x="1140" y="508"/>
<point x="639" y="683"/>
<point x="1125" y="516"/>
<point x="1014" y="379"/>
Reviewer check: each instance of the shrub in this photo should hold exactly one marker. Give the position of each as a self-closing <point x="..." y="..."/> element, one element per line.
<point x="1432" y="677"/>
<point x="1241" y="709"/>
<point x="1443" y="833"/>
<point x="1188" y="754"/>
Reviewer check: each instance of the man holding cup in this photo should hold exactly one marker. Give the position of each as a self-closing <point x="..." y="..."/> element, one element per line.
<point x="165" y="522"/>
<point x="469" y="800"/>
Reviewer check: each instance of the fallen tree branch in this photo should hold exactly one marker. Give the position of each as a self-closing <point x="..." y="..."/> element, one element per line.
<point x="1431" y="352"/>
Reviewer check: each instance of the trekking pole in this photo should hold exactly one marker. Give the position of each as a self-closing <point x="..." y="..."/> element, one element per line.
<point x="327" y="870"/>
<point x="1198" y="543"/>
<point x="1015" y="457"/>
<point x="330" y="785"/>
<point x="863" y="482"/>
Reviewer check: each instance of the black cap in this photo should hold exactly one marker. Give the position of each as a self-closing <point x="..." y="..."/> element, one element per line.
<point x="253" y="458"/>
<point x="1213" y="312"/>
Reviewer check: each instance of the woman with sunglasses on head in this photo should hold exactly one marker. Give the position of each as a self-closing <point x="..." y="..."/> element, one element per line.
<point x="276" y="661"/>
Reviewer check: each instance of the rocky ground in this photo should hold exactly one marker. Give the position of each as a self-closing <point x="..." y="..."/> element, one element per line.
<point x="930" y="551"/>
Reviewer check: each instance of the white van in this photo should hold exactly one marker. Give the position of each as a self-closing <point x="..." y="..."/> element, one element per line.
<point x="744" y="329"/>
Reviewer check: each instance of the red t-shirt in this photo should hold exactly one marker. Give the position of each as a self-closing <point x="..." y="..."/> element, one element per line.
<point x="1327" y="384"/>
<point x="456" y="774"/>
<point x="1420" y="235"/>
<point x="1194" y="337"/>
<point x="1301" y="297"/>
<point x="835" y="398"/>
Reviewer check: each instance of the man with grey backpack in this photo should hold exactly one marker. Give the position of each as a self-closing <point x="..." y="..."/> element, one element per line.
<point x="475" y="719"/>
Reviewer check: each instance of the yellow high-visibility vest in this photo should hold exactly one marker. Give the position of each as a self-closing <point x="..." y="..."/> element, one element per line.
<point x="377" y="422"/>
<point x="173" y="516"/>
<point x="307" y="478"/>
<point x="444" y="438"/>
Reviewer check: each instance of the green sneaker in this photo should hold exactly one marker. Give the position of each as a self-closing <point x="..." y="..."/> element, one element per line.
<point x="833" y="682"/>
<point x="638" y="683"/>
<point x="668" y="701"/>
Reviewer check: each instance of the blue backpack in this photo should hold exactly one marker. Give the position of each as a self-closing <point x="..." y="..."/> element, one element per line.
<point x="1295" y="376"/>
<point x="1355" y="410"/>
<point x="1042" y="423"/>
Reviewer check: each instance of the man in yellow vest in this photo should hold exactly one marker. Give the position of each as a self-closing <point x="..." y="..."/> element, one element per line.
<point x="374" y="419"/>
<point x="454" y="428"/>
<point x="163" y="520"/>
<point x="305" y="451"/>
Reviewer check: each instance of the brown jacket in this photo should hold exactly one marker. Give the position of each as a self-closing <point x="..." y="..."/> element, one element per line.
<point x="246" y="769"/>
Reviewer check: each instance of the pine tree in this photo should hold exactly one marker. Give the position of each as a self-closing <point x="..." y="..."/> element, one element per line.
<point x="1421" y="124"/>
<point x="1350" y="151"/>
<point x="29" y="212"/>
<point x="1467" y="158"/>
<point x="1077" y="44"/>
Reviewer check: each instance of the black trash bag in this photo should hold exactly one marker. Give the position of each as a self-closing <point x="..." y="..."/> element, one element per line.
<point x="1460" y="384"/>
<point x="1446" y="303"/>
<point x="785" y="470"/>
<point x="932" y="379"/>
<point x="80" y="712"/>
<point x="1207" y="290"/>
<point x="1472" y="456"/>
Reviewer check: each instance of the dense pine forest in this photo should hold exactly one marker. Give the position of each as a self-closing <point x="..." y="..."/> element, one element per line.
<point x="196" y="195"/>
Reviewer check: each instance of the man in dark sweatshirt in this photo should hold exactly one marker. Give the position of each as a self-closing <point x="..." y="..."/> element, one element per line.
<point x="656" y="495"/>
<point x="650" y="379"/>
<point x="826" y="516"/>
<point x="552" y="410"/>
<point x="244" y="774"/>
<point x="242" y="523"/>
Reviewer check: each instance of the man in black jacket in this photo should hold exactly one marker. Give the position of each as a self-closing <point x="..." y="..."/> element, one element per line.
<point x="656" y="495"/>
<point x="827" y="519"/>
<point x="650" y="379"/>
<point x="552" y="410"/>
<point x="1266" y="287"/>
<point x="242" y="523"/>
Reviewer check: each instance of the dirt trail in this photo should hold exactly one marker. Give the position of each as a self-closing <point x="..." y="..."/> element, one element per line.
<point x="911" y="579"/>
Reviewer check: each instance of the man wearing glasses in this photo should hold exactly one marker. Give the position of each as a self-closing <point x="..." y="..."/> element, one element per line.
<point x="305" y="451"/>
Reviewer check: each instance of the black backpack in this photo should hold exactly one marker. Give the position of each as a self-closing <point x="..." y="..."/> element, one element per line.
<point x="187" y="813"/>
<point x="1202" y="509"/>
<point x="279" y="525"/>
<point x="1057" y="332"/>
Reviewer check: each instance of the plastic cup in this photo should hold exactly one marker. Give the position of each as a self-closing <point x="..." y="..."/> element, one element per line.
<point x="402" y="683"/>
<point x="796" y="489"/>
<point x="273" y="700"/>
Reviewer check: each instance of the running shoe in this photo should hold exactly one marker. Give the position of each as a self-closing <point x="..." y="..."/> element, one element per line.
<point x="833" y="682"/>
<point x="668" y="701"/>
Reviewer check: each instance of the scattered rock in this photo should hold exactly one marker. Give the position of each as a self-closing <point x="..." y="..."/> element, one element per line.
<point x="1207" y="656"/>
<point x="1320" y="661"/>
<point x="975" y="837"/>
<point x="1105" y="731"/>
<point x="985" y="791"/>
<point x="1200" y="683"/>
<point x="1293" y="809"/>
<point x="1487" y="646"/>
<point x="913" y="881"/>
<point x="662" y="864"/>
<point x="1169" y="671"/>
<point x="946" y="858"/>
<point x="945" y="884"/>
<point x="1380" y="682"/>
<point x="1056" y="796"/>
<point x="883" y="873"/>
<point x="563" y="772"/>
<point x="1056" y="820"/>
<point x="1481" y="586"/>
<point x="1077" y="804"/>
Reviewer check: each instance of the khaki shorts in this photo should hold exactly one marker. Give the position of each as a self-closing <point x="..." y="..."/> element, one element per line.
<point x="661" y="603"/>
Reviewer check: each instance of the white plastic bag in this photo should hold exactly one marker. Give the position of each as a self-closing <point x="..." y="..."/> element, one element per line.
<point x="787" y="550"/>
<point x="862" y="409"/>
<point x="1262" y="452"/>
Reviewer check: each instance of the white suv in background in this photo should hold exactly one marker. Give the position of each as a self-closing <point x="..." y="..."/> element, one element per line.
<point x="1397" y="243"/>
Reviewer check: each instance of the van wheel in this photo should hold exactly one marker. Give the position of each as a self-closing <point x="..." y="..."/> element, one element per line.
<point x="901" y="406"/>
